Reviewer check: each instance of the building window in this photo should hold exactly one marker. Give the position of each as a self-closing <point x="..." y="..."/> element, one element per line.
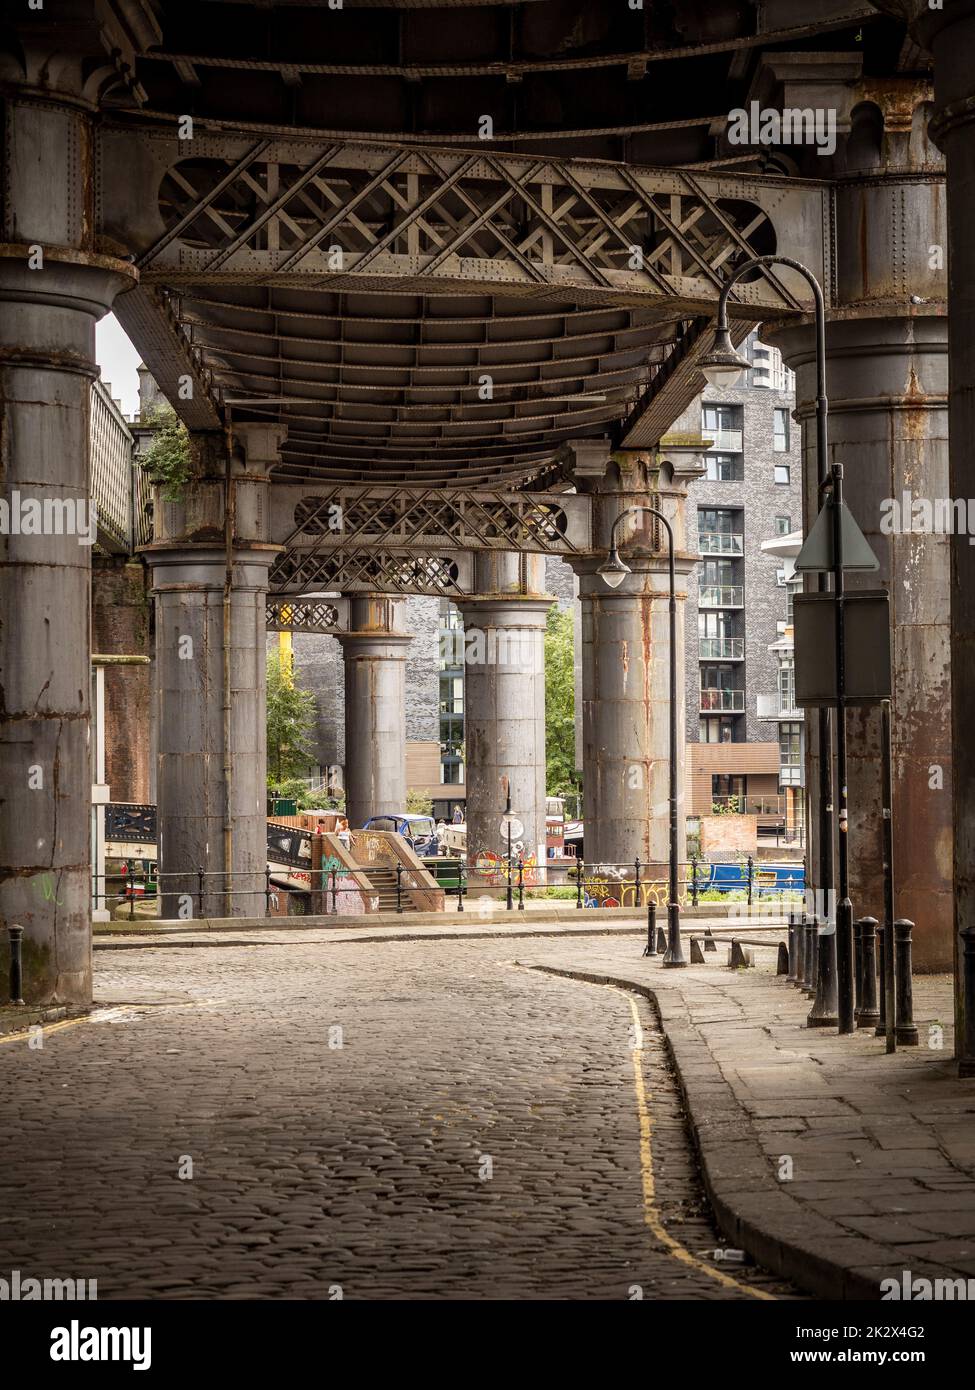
<point x="791" y="589"/>
<point x="716" y="419"/>
<point x="783" y="525"/>
<point x="451" y="694"/>
<point x="783" y="473"/>
<point x="725" y="468"/>
<point x="720" y="520"/>
<point x="727" y="792"/>
<point x="780" y="430"/>
<point x="787" y="688"/>
<point x="716" y="730"/>
<point x="790" y="754"/>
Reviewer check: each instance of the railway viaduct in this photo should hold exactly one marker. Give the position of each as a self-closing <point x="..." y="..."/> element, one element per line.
<point x="429" y="283"/>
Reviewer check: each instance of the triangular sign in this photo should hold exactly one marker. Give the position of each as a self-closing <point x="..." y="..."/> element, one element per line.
<point x="816" y="554"/>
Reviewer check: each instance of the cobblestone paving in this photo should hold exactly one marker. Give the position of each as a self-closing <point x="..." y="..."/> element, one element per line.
<point x="363" y="1166"/>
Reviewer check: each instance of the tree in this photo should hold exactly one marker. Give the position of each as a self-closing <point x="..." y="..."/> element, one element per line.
<point x="167" y="460"/>
<point x="418" y="803"/>
<point x="290" y="720"/>
<point x="560" y="718"/>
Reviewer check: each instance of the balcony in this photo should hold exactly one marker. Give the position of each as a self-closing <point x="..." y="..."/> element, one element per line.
<point x="721" y="648"/>
<point x="775" y="707"/>
<point x="719" y="543"/>
<point x="724" y="441"/>
<point x="721" y="596"/>
<point x="771" y="805"/>
<point x="722" y="701"/>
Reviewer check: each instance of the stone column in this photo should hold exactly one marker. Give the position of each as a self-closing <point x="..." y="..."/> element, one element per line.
<point x="949" y="33"/>
<point x="374" y="649"/>
<point x="887" y="387"/>
<point x="504" y="711"/>
<point x="625" y="669"/>
<point x="200" y="826"/>
<point x="120" y="608"/>
<point x="53" y="289"/>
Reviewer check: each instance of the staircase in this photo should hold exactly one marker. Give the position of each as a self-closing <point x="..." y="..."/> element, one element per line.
<point x="383" y="880"/>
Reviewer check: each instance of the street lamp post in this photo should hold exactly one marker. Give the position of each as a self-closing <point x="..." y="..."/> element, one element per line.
<point x="614" y="571"/>
<point x="722" y="366"/>
<point x="507" y="818"/>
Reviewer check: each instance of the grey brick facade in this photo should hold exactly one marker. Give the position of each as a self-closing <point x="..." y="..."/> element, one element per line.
<point x="760" y="500"/>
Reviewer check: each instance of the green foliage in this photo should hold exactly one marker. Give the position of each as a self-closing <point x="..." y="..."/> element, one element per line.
<point x="730" y="807"/>
<point x="418" y="803"/>
<point x="167" y="460"/>
<point x="290" y="720"/>
<point x="560" y="721"/>
<point x="297" y="789"/>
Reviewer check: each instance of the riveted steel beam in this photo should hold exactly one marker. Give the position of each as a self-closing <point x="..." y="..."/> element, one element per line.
<point x="391" y="216"/>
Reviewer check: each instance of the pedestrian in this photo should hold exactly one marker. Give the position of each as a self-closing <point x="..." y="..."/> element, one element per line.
<point x="458" y="816"/>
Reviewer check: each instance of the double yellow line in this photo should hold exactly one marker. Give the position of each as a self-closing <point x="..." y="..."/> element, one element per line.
<point x="651" y="1214"/>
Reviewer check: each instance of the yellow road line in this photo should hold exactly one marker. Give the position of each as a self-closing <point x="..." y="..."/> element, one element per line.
<point x="651" y="1215"/>
<point x="44" y="1027"/>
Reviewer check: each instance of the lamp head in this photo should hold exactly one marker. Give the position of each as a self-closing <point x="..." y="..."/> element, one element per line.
<point x="613" y="569"/>
<point x="722" y="366"/>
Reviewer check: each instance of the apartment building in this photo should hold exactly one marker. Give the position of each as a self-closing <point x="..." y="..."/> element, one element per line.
<point x="743" y="731"/>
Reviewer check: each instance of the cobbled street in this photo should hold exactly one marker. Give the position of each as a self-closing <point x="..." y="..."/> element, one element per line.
<point x="393" y="1120"/>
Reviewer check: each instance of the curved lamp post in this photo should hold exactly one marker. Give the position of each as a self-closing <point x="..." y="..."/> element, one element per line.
<point x="614" y="571"/>
<point x="722" y="367"/>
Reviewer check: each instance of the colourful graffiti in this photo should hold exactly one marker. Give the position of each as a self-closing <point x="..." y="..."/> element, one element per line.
<point x="493" y="868"/>
<point x="605" y="892"/>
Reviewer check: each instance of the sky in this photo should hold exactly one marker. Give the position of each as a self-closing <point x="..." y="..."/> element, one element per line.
<point x="118" y="360"/>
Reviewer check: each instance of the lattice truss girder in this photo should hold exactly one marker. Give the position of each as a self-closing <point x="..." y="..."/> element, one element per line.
<point x="442" y="576"/>
<point x="305" y="615"/>
<point x="359" y="522"/>
<point x="381" y="216"/>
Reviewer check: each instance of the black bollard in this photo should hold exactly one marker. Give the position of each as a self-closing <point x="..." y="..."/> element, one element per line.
<point x="881" y="1028"/>
<point x="906" y="1030"/>
<point x="966" y="1062"/>
<point x="460" y="885"/>
<point x="521" y="883"/>
<point x="791" y="976"/>
<point x="694" y="882"/>
<point x="651" y="947"/>
<point x="782" y="959"/>
<point x="809" y="960"/>
<point x="751" y="878"/>
<point x="661" y="941"/>
<point x="857" y="969"/>
<point x="800" y="951"/>
<point x="868" y="1015"/>
<point x="16" y="935"/>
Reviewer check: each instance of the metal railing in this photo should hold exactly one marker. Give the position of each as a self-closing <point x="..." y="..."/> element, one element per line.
<point x="721" y="648"/>
<point x="720" y="543"/>
<point x="752" y="805"/>
<point x="721" y="596"/>
<point x="729" y="701"/>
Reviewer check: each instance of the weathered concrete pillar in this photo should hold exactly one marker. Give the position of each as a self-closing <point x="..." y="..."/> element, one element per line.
<point x="625" y="667"/>
<point x="53" y="289"/>
<point x="120" y="608"/>
<point x="504" y="711"/>
<point x="887" y="387"/>
<point x="374" y="649"/>
<point x="212" y="737"/>
<point x="949" y="33"/>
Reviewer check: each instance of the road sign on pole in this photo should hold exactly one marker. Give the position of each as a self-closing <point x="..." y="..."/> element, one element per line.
<point x="867" y="673"/>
